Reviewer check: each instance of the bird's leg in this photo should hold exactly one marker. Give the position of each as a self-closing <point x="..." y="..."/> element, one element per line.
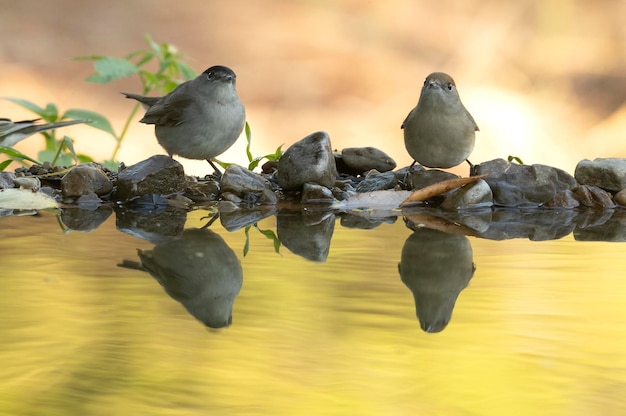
<point x="217" y="173"/>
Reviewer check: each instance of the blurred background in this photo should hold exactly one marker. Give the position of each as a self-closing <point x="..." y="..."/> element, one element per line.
<point x="545" y="80"/>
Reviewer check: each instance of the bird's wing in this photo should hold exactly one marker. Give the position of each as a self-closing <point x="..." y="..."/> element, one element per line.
<point x="473" y="121"/>
<point x="170" y="110"/>
<point x="146" y="102"/>
<point x="407" y="117"/>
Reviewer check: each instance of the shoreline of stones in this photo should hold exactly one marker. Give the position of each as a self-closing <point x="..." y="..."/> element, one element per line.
<point x="309" y="172"/>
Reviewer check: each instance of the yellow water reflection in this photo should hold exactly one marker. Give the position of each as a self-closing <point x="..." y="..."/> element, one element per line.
<point x="539" y="330"/>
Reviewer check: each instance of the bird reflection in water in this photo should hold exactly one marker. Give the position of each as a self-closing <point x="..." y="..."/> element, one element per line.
<point x="200" y="271"/>
<point x="436" y="267"/>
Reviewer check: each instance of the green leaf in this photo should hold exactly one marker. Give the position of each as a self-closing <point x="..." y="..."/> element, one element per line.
<point x="109" y="69"/>
<point x="82" y="158"/>
<point x="69" y="144"/>
<point x="186" y="71"/>
<point x="51" y="156"/>
<point x="515" y="158"/>
<point x="111" y="165"/>
<point x="51" y="113"/>
<point x="248" y="139"/>
<point x="9" y="151"/>
<point x="98" y="121"/>
<point x="27" y="104"/>
<point x="4" y="164"/>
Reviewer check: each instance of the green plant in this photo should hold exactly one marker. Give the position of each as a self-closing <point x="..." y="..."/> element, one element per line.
<point x="56" y="151"/>
<point x="253" y="162"/>
<point x="170" y="69"/>
<point x="515" y="159"/>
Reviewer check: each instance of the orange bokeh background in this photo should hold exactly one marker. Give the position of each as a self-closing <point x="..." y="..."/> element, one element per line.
<point x="544" y="80"/>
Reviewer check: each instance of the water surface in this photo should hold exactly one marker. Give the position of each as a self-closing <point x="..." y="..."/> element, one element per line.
<point x="540" y="328"/>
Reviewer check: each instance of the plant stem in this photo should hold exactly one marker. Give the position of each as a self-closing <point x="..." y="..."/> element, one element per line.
<point x="119" y="139"/>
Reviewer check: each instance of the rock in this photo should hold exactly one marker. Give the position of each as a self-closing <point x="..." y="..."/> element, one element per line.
<point x="157" y="227"/>
<point x="608" y="173"/>
<point x="534" y="224"/>
<point x="472" y="196"/>
<point x="159" y="175"/>
<point x="425" y="177"/>
<point x="377" y="182"/>
<point x="308" y="160"/>
<point x="313" y="193"/>
<point x="85" y="179"/>
<point x="516" y="185"/>
<point x="362" y="159"/>
<point x="248" y="186"/>
<point x="620" y="198"/>
<point x="563" y="200"/>
<point x="594" y="197"/>
<point x="7" y="180"/>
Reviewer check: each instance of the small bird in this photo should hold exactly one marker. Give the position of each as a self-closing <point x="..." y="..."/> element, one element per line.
<point x="12" y="132"/>
<point x="439" y="132"/>
<point x="199" y="119"/>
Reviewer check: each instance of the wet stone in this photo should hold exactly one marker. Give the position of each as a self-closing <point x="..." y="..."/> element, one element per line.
<point x="563" y="200"/>
<point x="247" y="186"/>
<point x="377" y="182"/>
<point x="7" y="180"/>
<point x="85" y="179"/>
<point x="594" y="197"/>
<point x="605" y="173"/>
<point x="620" y="198"/>
<point x="422" y="178"/>
<point x="516" y="185"/>
<point x="313" y="193"/>
<point x="308" y="160"/>
<point x="472" y="196"/>
<point x="362" y="159"/>
<point x="158" y="174"/>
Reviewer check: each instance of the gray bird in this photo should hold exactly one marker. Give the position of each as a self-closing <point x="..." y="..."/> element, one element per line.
<point x="199" y="119"/>
<point x="439" y="132"/>
<point x="12" y="132"/>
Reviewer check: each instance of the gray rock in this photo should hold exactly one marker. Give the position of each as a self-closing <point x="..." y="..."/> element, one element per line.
<point x="85" y="179"/>
<point x="313" y="193"/>
<point x="377" y="182"/>
<point x="248" y="186"/>
<point x="159" y="174"/>
<point x="608" y="174"/>
<point x="422" y="178"/>
<point x="471" y="196"/>
<point x="563" y="200"/>
<point x="308" y="160"/>
<point x="620" y="198"/>
<point x="7" y="180"/>
<point x="594" y="197"/>
<point x="362" y="159"/>
<point x="516" y="185"/>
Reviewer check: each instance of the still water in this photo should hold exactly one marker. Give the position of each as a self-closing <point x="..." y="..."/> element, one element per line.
<point x="538" y="328"/>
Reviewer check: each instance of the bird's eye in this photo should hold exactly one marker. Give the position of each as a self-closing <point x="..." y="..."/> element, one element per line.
<point x="210" y="75"/>
<point x="450" y="86"/>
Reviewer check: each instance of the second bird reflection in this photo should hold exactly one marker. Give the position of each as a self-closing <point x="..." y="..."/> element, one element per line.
<point x="200" y="271"/>
<point x="436" y="267"/>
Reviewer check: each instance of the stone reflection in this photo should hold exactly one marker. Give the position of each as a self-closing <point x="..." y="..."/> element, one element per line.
<point x="200" y="271"/>
<point x="306" y="234"/>
<point x="436" y="266"/>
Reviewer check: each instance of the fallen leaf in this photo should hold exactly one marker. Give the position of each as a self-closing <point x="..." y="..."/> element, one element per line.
<point x="438" y="188"/>
<point x="14" y="198"/>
